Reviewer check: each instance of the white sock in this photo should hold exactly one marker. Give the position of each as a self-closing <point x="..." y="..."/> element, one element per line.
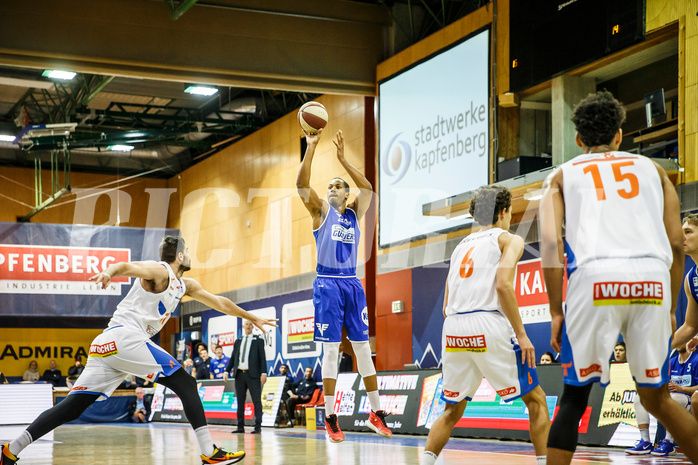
<point x="540" y="459"/>
<point x="375" y="400"/>
<point x="645" y="434"/>
<point x="20" y="442"/>
<point x="669" y="437"/>
<point x="429" y="458"/>
<point x="205" y="442"/>
<point x="329" y="405"/>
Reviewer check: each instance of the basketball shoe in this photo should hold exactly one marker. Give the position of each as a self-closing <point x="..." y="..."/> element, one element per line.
<point x="6" y="457"/>
<point x="332" y="427"/>
<point x="219" y="457"/>
<point x="376" y="421"/>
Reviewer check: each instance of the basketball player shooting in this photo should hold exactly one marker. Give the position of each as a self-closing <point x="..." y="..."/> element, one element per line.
<point x="125" y="348"/>
<point x="338" y="297"/>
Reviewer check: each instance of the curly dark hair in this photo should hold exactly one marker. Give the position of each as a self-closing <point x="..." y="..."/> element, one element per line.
<point x="598" y="118"/>
<point x="488" y="202"/>
<point x="691" y="218"/>
<point x="170" y="247"/>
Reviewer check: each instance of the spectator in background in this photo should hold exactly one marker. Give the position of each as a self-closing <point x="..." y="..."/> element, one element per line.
<point x="53" y="375"/>
<point x="139" y="411"/>
<point x="547" y="358"/>
<point x="218" y="363"/>
<point x="201" y="371"/>
<point x="199" y="347"/>
<point x="32" y="373"/>
<point x="74" y="371"/>
<point x="302" y="392"/>
<point x="250" y="362"/>
<point x="188" y="366"/>
<point x="619" y="352"/>
<point x="346" y="361"/>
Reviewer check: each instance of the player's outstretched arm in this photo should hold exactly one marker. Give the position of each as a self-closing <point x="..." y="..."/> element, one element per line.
<point x="149" y="270"/>
<point x="512" y="249"/>
<point x="443" y="310"/>
<point x="363" y="198"/>
<point x="552" y="251"/>
<point x="312" y="202"/>
<point x="223" y="305"/>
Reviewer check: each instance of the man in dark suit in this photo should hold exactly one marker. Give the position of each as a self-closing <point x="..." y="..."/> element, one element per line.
<point x="250" y="365"/>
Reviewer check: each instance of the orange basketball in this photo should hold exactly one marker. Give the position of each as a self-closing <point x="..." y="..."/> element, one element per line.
<point x="312" y="117"/>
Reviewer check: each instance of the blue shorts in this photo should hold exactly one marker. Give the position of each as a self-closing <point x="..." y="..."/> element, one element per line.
<point x="339" y="302"/>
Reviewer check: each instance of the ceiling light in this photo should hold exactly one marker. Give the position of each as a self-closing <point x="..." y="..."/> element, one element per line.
<point x="201" y="90"/>
<point x="56" y="74"/>
<point x="460" y="217"/>
<point x="120" y="148"/>
<point x="7" y="138"/>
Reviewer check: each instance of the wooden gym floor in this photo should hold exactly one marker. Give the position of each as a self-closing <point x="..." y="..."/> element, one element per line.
<point x="175" y="444"/>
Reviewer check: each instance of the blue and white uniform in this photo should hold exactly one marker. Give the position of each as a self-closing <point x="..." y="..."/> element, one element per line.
<point x="684" y="374"/>
<point x="618" y="270"/>
<point x="478" y="340"/>
<point x="217" y="367"/>
<point x="125" y="347"/>
<point x="338" y="296"/>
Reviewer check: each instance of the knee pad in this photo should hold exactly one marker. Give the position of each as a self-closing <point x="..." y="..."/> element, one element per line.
<point x="363" y="358"/>
<point x="330" y="361"/>
<point x="572" y="406"/>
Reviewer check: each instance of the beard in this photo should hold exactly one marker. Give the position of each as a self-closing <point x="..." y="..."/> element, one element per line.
<point x="184" y="267"/>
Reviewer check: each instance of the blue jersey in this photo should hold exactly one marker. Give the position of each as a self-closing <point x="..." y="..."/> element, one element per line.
<point x="693" y="282"/>
<point x="685" y="374"/>
<point x="336" y="240"/>
<point x="218" y="367"/>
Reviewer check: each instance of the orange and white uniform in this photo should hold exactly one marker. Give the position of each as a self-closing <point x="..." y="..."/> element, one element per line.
<point x="125" y="347"/>
<point x="618" y="260"/>
<point x="478" y="340"/>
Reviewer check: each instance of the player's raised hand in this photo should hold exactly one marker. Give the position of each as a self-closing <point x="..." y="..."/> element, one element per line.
<point x="101" y="278"/>
<point x="339" y="143"/>
<point x="313" y="139"/>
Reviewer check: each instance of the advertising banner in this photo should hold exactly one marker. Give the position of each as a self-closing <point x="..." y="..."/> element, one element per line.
<point x="220" y="403"/>
<point x="19" y="346"/>
<point x="45" y="268"/>
<point x="298" y="329"/>
<point x="399" y="396"/>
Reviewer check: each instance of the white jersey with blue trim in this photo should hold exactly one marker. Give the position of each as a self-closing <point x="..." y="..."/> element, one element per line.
<point x="614" y="206"/>
<point x="146" y="310"/>
<point x="473" y="274"/>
